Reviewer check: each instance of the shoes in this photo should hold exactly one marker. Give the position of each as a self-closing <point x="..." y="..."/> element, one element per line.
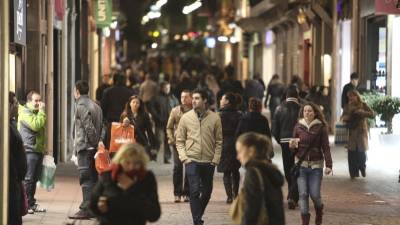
<point x="81" y="215"/>
<point x="229" y="200"/>
<point x="177" y="199"/>
<point x="363" y="174"/>
<point x="36" y="208"/>
<point x="186" y="199"/>
<point x="292" y="204"/>
<point x="31" y="211"/>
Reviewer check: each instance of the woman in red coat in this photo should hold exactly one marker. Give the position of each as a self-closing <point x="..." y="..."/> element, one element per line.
<point x="311" y="140"/>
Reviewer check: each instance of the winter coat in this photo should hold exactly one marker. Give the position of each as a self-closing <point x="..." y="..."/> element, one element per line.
<point x="173" y="122"/>
<point x="88" y="123"/>
<point x="314" y="138"/>
<point x="253" y="89"/>
<point x="355" y="116"/>
<point x="285" y="118"/>
<point x="253" y="122"/>
<point x="100" y="91"/>
<point x="144" y="134"/>
<point x="114" y="100"/>
<point x="134" y="206"/>
<point x="147" y="90"/>
<point x="273" y="198"/>
<point x="31" y="126"/>
<point x="230" y="120"/>
<point x="200" y="138"/>
<point x="160" y="107"/>
<point x="276" y="91"/>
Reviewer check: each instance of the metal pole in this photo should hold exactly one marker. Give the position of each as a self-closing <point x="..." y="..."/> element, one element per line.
<point x="335" y="71"/>
<point x="4" y="117"/>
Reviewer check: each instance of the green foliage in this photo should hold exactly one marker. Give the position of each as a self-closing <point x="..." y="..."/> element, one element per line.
<point x="385" y="106"/>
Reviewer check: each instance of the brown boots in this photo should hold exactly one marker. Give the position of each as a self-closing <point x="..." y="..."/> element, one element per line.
<point x="305" y="219"/>
<point x="318" y="214"/>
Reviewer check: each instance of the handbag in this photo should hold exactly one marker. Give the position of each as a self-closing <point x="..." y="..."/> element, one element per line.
<point x="121" y="135"/>
<point x="237" y="208"/>
<point x="102" y="159"/>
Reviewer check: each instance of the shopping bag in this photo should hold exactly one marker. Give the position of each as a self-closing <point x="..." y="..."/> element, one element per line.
<point x="342" y="133"/>
<point x="121" y="135"/>
<point x="48" y="173"/>
<point x="102" y="159"/>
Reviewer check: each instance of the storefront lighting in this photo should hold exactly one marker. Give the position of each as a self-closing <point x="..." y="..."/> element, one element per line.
<point x="210" y="42"/>
<point x="232" y="25"/>
<point x="233" y="40"/>
<point x="223" y="38"/>
<point x="156" y="34"/>
<point x="158" y="5"/>
<point x="153" y="14"/>
<point x="106" y="32"/>
<point x="145" y="20"/>
<point x="154" y="45"/>
<point x="192" y="7"/>
<point x="164" y="31"/>
<point x="177" y="37"/>
<point x="185" y="37"/>
<point x="114" y="25"/>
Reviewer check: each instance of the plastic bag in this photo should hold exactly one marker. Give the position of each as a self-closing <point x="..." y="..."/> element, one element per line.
<point x="121" y="135"/>
<point x="102" y="159"/>
<point x="48" y="173"/>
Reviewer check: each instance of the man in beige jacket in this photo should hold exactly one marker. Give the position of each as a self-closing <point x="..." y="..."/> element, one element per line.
<point x="199" y="144"/>
<point x="172" y="128"/>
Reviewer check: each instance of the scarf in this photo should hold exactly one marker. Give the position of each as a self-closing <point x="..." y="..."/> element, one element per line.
<point x="116" y="169"/>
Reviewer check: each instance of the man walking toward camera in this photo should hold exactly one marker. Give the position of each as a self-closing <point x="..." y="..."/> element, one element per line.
<point x="87" y="131"/>
<point x="199" y="143"/>
<point x="31" y="125"/>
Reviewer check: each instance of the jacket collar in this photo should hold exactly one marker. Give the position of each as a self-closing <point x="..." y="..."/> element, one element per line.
<point x="82" y="97"/>
<point x="292" y="100"/>
<point x="308" y="126"/>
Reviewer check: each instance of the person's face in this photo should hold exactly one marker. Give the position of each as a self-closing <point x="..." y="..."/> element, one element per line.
<point x="135" y="104"/>
<point x="166" y="89"/>
<point x="354" y="82"/>
<point x="76" y="93"/>
<point x="106" y="79"/>
<point x="186" y="99"/>
<point x="14" y="108"/>
<point x="308" y="113"/>
<point x="35" y="101"/>
<point x="352" y="98"/>
<point x="198" y="102"/>
<point x="244" y="154"/>
<point x="130" y="165"/>
<point x="223" y="102"/>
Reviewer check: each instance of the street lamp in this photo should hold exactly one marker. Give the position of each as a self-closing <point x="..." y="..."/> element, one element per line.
<point x="192" y="7"/>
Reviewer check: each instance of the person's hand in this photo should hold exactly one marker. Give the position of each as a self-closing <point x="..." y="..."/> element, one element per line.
<point x="187" y="161"/>
<point x="213" y="164"/>
<point x="294" y="143"/>
<point x="42" y="106"/>
<point x="125" y="182"/>
<point x="328" y="171"/>
<point x="102" y="204"/>
<point x="126" y="122"/>
<point x="101" y="144"/>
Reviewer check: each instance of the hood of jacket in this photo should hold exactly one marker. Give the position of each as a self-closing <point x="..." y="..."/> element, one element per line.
<point x="309" y="126"/>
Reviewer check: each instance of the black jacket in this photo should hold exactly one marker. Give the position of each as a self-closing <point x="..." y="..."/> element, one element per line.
<point x="253" y="122"/>
<point x="160" y="107"/>
<point x="284" y="120"/>
<point x="135" y="206"/>
<point x="113" y="102"/>
<point x="144" y="134"/>
<point x="230" y="120"/>
<point x="273" y="199"/>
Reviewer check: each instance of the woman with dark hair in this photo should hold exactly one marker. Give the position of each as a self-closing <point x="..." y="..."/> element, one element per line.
<point x="310" y="144"/>
<point x="262" y="182"/>
<point x="355" y="115"/>
<point x="135" y="114"/>
<point x="229" y="165"/>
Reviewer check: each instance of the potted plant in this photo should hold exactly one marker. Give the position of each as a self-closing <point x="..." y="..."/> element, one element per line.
<point x="387" y="107"/>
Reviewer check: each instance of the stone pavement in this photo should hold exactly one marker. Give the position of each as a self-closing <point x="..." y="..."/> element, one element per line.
<point x="374" y="200"/>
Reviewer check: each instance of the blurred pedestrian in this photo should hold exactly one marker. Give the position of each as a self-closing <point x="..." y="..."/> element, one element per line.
<point x="160" y="107"/>
<point x="252" y="149"/>
<point x="31" y="126"/>
<point x="136" y="115"/>
<point x="199" y="143"/>
<point x="105" y="83"/>
<point x="253" y="88"/>
<point x="355" y="115"/>
<point x="147" y="90"/>
<point x="180" y="180"/>
<point x="88" y="120"/>
<point x="17" y="167"/>
<point x="127" y="193"/>
<point x="352" y="85"/>
<point x="275" y="91"/>
<point x="283" y="123"/>
<point x="310" y="143"/>
<point x="229" y="165"/>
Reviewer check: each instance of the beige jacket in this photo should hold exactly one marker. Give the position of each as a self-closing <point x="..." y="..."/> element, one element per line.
<point x="173" y="121"/>
<point x="200" y="140"/>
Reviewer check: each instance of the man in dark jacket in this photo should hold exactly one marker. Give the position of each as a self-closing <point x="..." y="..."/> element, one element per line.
<point x="284" y="120"/>
<point x="100" y="90"/>
<point x="160" y="108"/>
<point x="350" y="86"/>
<point x="87" y="131"/>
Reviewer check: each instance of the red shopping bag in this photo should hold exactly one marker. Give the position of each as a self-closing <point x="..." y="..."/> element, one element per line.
<point x="121" y="135"/>
<point x="102" y="159"/>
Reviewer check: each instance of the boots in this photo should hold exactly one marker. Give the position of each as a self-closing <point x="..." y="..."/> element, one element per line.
<point x="305" y="219"/>
<point x="318" y="214"/>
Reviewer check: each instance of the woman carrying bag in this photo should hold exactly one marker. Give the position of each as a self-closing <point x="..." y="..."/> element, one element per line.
<point x="311" y="147"/>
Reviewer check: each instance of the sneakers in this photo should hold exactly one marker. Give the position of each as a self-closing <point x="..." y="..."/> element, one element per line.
<point x="81" y="215"/>
<point x="177" y="199"/>
<point x="36" y="208"/>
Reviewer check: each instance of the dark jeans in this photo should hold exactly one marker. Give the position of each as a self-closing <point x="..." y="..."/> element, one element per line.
<point x="34" y="170"/>
<point x="288" y="163"/>
<point x="357" y="161"/>
<point x="87" y="175"/>
<point x="231" y="183"/>
<point x="178" y="176"/>
<point x="161" y="134"/>
<point x="200" y="177"/>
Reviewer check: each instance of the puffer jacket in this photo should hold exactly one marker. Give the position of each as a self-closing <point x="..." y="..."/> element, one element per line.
<point x="88" y="124"/>
<point x="31" y="126"/>
<point x="315" y="136"/>
<point x="200" y="139"/>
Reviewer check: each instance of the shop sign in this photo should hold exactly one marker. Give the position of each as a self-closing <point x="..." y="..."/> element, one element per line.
<point x="103" y="11"/>
<point x="387" y="6"/>
<point x="20" y="22"/>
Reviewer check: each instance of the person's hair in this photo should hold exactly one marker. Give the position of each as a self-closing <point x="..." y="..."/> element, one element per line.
<point x="355" y="93"/>
<point x="354" y="76"/>
<point x="127" y="110"/>
<point x="275" y="76"/>
<point x="11" y="96"/>
<point x="82" y="86"/>
<point x="30" y="94"/>
<point x="119" y="79"/>
<point x="187" y="91"/>
<point x="255" y="104"/>
<point x="163" y="84"/>
<point x="260" y="143"/>
<point x="232" y="98"/>
<point x="292" y="92"/>
<point x="203" y="93"/>
<point x="317" y="111"/>
<point x="131" y="152"/>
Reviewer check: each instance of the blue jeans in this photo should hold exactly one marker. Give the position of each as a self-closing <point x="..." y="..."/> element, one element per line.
<point x="34" y="171"/>
<point x="309" y="183"/>
<point x="200" y="176"/>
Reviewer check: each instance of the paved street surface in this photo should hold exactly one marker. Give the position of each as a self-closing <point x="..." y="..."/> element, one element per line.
<point x="374" y="200"/>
